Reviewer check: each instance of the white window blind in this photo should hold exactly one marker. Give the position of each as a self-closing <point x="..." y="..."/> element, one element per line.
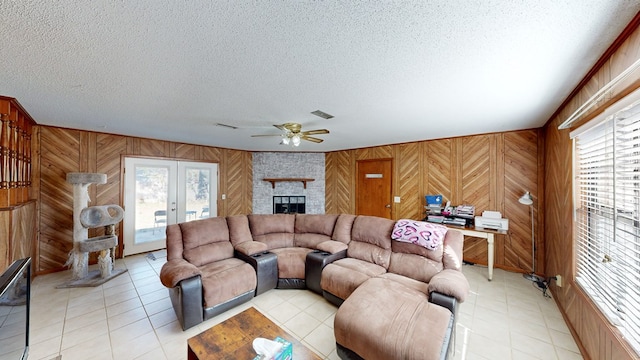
<point x="607" y="218"/>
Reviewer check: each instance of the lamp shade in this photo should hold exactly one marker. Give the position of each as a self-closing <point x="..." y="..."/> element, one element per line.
<point x="526" y="199"/>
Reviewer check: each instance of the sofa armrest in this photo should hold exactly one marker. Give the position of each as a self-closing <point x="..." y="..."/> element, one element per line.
<point x="446" y="301"/>
<point x="186" y="299"/>
<point x="450" y="282"/>
<point x="315" y="262"/>
<point x="251" y="247"/>
<point x="332" y="246"/>
<point x="174" y="271"/>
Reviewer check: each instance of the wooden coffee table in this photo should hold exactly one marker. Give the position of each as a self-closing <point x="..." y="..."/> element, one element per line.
<point x="233" y="339"/>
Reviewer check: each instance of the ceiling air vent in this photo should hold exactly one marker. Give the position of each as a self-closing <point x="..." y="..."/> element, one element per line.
<point x="227" y="126"/>
<point x="322" y="114"/>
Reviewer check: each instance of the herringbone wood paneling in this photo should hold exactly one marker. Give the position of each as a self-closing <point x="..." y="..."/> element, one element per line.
<point x="408" y="182"/>
<point x="59" y="156"/>
<point x="475" y="171"/>
<point x="463" y="170"/>
<point x="63" y="151"/>
<point x="340" y="174"/>
<point x="110" y="148"/>
<point x="377" y="152"/>
<point x="239" y="191"/>
<point x="185" y="151"/>
<point x="624" y="57"/>
<point x="210" y="154"/>
<point x="439" y="160"/>
<point x="475" y="181"/>
<point x="521" y="174"/>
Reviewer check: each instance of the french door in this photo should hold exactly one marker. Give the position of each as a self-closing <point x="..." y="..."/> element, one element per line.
<point x="162" y="192"/>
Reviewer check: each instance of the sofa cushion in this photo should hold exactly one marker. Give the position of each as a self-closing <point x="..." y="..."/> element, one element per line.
<point x="206" y="241"/>
<point x="322" y="224"/>
<point x="384" y="319"/>
<point x="309" y="240"/>
<point x="239" y="231"/>
<point x="332" y="246"/>
<point x="275" y="230"/>
<point x="226" y="279"/>
<point x="373" y="230"/>
<point x="313" y="229"/>
<point x="343" y="276"/>
<point x="407" y="248"/>
<point x="371" y="240"/>
<point x="251" y="247"/>
<point x="291" y="262"/>
<point x="414" y="266"/>
<point x="406" y="281"/>
<point x="342" y="229"/>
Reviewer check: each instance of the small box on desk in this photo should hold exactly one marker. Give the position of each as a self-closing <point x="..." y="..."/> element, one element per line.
<point x="286" y="353"/>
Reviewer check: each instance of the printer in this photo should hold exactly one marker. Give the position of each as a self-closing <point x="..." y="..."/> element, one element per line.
<point x="492" y="220"/>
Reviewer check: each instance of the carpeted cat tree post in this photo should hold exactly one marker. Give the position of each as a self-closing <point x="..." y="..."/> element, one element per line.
<point x="84" y="218"/>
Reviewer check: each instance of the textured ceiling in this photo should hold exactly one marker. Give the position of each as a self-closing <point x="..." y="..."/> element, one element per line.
<point x="389" y="71"/>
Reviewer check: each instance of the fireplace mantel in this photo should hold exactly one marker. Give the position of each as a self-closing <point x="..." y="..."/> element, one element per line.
<point x="273" y="181"/>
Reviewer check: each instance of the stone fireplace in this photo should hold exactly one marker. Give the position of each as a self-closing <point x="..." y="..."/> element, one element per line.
<point x="288" y="166"/>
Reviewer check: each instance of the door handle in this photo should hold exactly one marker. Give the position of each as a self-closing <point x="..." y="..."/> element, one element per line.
<point x="388" y="206"/>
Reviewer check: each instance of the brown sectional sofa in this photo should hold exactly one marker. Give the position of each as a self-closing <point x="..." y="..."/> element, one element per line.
<point x="218" y="263"/>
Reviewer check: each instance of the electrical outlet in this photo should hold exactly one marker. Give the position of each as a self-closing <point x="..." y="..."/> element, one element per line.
<point x="559" y="280"/>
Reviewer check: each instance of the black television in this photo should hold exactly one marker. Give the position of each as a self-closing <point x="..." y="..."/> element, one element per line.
<point x="15" y="297"/>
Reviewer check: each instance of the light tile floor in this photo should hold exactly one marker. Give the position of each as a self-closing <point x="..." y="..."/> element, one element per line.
<point x="130" y="317"/>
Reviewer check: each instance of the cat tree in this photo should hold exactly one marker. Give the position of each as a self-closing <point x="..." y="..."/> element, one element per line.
<point x="88" y="217"/>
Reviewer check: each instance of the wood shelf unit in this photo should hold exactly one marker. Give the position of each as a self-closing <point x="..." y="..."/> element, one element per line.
<point x="273" y="181"/>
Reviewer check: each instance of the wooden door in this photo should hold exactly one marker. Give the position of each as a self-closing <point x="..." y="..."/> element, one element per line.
<point x="373" y="188"/>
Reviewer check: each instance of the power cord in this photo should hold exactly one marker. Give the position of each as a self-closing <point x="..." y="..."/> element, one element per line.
<point x="543" y="285"/>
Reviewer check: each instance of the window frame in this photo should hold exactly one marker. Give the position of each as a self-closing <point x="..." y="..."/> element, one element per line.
<point x="602" y="207"/>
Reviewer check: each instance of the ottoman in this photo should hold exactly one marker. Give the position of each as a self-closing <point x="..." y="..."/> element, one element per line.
<point x="383" y="319"/>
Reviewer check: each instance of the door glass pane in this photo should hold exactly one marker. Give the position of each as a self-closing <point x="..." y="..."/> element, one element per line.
<point x="152" y="190"/>
<point x="198" y="193"/>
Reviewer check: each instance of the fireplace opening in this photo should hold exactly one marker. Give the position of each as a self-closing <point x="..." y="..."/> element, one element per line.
<point x="288" y="204"/>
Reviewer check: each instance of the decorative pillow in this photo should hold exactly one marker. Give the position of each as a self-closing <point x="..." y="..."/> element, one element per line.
<point x="427" y="235"/>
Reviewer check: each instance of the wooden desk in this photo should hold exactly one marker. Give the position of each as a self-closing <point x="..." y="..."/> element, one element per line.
<point x="233" y="339"/>
<point x="484" y="234"/>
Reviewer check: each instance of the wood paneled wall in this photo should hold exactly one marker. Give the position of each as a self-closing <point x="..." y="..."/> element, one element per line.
<point x="65" y="150"/>
<point x="489" y="171"/>
<point x="17" y="232"/>
<point x="592" y="331"/>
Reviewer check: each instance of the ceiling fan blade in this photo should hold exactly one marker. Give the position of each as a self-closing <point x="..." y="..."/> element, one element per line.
<point x="264" y="135"/>
<point x="316" y="132"/>
<point x="281" y="127"/>
<point x="312" y="139"/>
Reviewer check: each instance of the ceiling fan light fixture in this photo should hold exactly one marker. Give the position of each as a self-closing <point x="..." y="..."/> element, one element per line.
<point x="295" y="139"/>
<point x="285" y="139"/>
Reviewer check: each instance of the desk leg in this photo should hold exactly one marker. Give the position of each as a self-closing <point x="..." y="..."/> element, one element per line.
<point x="490" y="255"/>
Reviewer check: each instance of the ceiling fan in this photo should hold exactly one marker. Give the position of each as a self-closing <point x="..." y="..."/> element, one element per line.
<point x="292" y="134"/>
